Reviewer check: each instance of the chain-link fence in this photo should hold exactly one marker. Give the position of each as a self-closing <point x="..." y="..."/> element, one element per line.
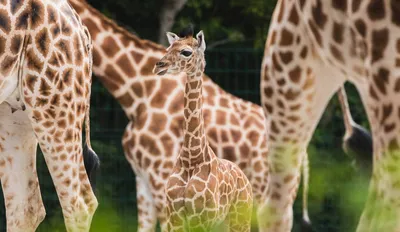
<point x="337" y="191"/>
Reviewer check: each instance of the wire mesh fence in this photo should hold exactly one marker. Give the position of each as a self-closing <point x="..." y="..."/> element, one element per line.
<point x="337" y="190"/>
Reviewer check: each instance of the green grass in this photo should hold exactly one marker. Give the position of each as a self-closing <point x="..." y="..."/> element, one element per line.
<point x="337" y="195"/>
<point x="106" y="219"/>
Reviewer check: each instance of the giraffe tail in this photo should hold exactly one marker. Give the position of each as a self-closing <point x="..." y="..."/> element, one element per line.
<point x="90" y="158"/>
<point x="357" y="141"/>
<point x="306" y="222"/>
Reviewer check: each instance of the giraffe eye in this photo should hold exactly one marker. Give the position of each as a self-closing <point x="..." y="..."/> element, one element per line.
<point x="186" y="53"/>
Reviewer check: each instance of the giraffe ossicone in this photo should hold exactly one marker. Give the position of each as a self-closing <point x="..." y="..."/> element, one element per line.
<point x="203" y="190"/>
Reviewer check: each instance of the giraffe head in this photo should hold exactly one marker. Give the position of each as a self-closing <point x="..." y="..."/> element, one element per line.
<point x="185" y="53"/>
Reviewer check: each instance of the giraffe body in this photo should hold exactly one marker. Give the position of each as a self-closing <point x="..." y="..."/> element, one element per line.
<point x="45" y="79"/>
<point x="313" y="47"/>
<point x="203" y="191"/>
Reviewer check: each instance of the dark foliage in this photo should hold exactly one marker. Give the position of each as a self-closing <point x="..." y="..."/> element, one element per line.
<point x="187" y="31"/>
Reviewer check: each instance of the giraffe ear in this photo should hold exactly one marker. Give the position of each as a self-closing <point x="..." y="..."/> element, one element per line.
<point x="201" y="41"/>
<point x="172" y="37"/>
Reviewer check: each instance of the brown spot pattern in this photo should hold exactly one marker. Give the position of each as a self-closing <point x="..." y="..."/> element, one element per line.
<point x="340" y="5"/>
<point x="294" y="16"/>
<point x="319" y="16"/>
<point x="361" y="27"/>
<point x="381" y="79"/>
<point x="295" y="74"/>
<point x="16" y="43"/>
<point x="376" y="10"/>
<point x="286" y="57"/>
<point x="37" y="12"/>
<point x="286" y="37"/>
<point x="126" y="66"/>
<point x="110" y="47"/>
<point x="380" y="39"/>
<point x="337" y="32"/>
<point x="395" y="7"/>
<point x="125" y="100"/>
<point x="5" y="22"/>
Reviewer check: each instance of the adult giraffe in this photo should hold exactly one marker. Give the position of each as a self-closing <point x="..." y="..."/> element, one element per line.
<point x="45" y="80"/>
<point x="313" y="47"/>
<point x="123" y="62"/>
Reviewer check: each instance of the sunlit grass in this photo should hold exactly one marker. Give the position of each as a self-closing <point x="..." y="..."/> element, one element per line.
<point x="106" y="219"/>
<point x="337" y="196"/>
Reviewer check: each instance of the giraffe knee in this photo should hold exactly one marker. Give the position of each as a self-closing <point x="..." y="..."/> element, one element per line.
<point x="78" y="218"/>
<point x="37" y="216"/>
<point x="28" y="221"/>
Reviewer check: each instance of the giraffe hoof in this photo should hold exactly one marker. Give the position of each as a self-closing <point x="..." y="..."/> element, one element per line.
<point x="23" y="107"/>
<point x="13" y="110"/>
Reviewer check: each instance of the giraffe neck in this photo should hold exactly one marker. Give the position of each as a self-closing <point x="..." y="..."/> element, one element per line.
<point x="195" y="143"/>
<point x="122" y="61"/>
<point x="193" y="103"/>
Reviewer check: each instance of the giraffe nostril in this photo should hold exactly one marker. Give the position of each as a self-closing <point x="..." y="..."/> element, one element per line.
<point x="160" y="64"/>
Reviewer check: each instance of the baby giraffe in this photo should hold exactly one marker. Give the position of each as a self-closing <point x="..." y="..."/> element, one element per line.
<point x="203" y="191"/>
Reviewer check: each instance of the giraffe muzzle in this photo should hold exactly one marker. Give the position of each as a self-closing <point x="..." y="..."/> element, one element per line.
<point x="161" y="64"/>
<point x="160" y="68"/>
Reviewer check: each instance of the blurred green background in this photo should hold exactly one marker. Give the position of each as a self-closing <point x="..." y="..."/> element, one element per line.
<point x="235" y="33"/>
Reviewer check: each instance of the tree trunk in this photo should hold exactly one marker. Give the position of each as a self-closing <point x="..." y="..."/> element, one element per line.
<point x="167" y="17"/>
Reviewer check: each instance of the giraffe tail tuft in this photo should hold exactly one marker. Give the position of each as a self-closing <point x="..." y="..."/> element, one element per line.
<point x="358" y="145"/>
<point x="90" y="158"/>
<point x="306" y="226"/>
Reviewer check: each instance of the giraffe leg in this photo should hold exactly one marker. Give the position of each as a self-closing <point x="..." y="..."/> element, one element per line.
<point x="293" y="107"/>
<point x="69" y="176"/>
<point x="24" y="206"/>
<point x="146" y="207"/>
<point x="151" y="204"/>
<point x="62" y="150"/>
<point x="160" y="205"/>
<point x="147" y="215"/>
<point x="150" y="182"/>
<point x="382" y="208"/>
